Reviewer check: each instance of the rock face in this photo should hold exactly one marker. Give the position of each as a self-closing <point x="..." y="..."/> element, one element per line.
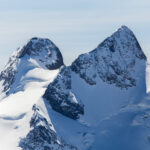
<point x="42" y="135"/>
<point x="117" y="60"/>
<point x="113" y="60"/>
<point x="43" y="51"/>
<point x="60" y="96"/>
<point x="8" y="74"/>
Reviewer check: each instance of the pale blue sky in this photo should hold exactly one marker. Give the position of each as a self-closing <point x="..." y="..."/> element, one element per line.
<point x="75" y="26"/>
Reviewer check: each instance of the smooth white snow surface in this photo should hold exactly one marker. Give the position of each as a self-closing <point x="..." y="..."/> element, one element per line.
<point x="16" y="109"/>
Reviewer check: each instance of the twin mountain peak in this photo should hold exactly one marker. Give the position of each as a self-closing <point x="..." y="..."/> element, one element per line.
<point x="116" y="61"/>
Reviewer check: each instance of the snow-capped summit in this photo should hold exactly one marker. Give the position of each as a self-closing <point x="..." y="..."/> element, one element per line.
<point x="114" y="60"/>
<point x="38" y="52"/>
<point x="125" y="37"/>
<point x="44" y="50"/>
<point x="124" y="41"/>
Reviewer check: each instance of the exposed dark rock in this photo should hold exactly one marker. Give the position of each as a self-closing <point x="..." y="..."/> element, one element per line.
<point x="52" y="57"/>
<point x="8" y="74"/>
<point x="113" y="60"/>
<point x="60" y="96"/>
<point x="84" y="66"/>
<point x="42" y="136"/>
<point x="42" y="50"/>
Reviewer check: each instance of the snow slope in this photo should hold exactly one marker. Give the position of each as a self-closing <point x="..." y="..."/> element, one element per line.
<point x="16" y="110"/>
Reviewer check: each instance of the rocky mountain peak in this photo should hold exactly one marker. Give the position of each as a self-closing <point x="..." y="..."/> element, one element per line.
<point x="114" y="60"/>
<point x="38" y="52"/>
<point x="44" y="50"/>
<point x="35" y="45"/>
<point x="124" y="28"/>
<point x="123" y="42"/>
<point x="118" y="60"/>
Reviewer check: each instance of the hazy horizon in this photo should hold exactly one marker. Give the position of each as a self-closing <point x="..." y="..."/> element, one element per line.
<point x="75" y="27"/>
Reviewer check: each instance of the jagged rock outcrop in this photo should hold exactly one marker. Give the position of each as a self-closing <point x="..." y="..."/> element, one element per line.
<point x="8" y="74"/>
<point x="42" y="135"/>
<point x="60" y="96"/>
<point x="45" y="52"/>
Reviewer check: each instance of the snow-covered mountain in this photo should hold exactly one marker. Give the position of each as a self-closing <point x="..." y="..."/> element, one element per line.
<point x="101" y="101"/>
<point x="37" y="52"/>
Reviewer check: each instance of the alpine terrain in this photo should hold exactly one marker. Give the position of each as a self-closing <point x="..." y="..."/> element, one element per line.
<point x="100" y="102"/>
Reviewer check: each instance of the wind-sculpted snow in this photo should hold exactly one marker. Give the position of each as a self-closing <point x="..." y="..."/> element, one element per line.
<point x="44" y="54"/>
<point x="113" y="61"/>
<point x="60" y="96"/>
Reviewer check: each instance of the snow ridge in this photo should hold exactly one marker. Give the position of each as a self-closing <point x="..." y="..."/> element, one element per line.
<point x="113" y="60"/>
<point x="37" y="52"/>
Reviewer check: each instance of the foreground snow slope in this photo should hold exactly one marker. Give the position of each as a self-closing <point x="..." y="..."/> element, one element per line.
<point x="101" y="101"/>
<point x="16" y="110"/>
